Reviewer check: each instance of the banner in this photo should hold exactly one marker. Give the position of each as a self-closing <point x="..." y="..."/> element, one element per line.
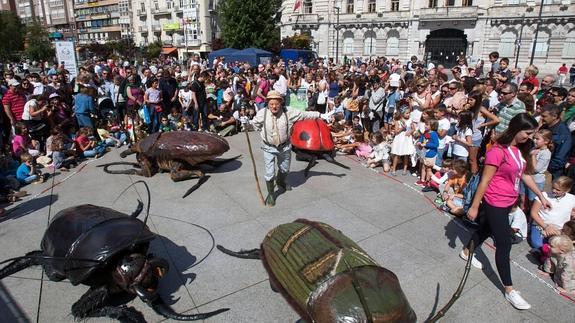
<point x="298" y="99"/>
<point x="171" y="26"/>
<point x="66" y="53"/>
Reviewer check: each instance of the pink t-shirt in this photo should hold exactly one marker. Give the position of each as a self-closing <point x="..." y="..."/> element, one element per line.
<point x="501" y="190"/>
<point x="17" y="144"/>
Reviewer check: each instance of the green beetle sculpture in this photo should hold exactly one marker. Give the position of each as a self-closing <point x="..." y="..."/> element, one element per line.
<point x="327" y="277"/>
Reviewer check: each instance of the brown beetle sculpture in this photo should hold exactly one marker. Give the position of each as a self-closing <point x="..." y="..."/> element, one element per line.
<point x="180" y="153"/>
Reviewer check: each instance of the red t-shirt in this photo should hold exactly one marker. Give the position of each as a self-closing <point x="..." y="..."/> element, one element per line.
<point x="563" y="70"/>
<point x="82" y="141"/>
<point x="16" y="102"/>
<point x="533" y="80"/>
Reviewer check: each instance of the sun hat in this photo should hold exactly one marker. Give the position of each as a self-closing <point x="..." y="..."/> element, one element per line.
<point x="274" y="95"/>
<point x="13" y="82"/>
<point x="53" y="95"/>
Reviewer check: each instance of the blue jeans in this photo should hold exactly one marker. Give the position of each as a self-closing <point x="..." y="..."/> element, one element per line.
<point x="98" y="150"/>
<point x="203" y="112"/>
<point x="536" y="238"/>
<point x="439" y="159"/>
<point x="84" y="120"/>
<point x="30" y="179"/>
<point x="154" y="118"/>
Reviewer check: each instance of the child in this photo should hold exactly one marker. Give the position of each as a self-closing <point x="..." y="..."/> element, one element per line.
<point x="26" y="172"/>
<point x="87" y="147"/>
<point x="402" y="145"/>
<point x="530" y="76"/>
<point x="518" y="223"/>
<point x="541" y="156"/>
<point x="439" y="179"/>
<point x="58" y="148"/>
<point x="185" y="98"/>
<point x="22" y="142"/>
<point x="429" y="140"/>
<point x="153" y="99"/>
<point x="504" y="74"/>
<point x="462" y="139"/>
<point x="452" y="193"/>
<point x="356" y="141"/>
<point x="380" y="153"/>
<point x="174" y="117"/>
<point x="108" y="138"/>
<point x="165" y="125"/>
<point x="563" y="263"/>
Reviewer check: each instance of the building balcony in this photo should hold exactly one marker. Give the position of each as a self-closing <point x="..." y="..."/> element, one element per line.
<point x="161" y="11"/>
<point x="143" y="29"/>
<point x="177" y="8"/>
<point x="193" y="42"/>
<point x="141" y="12"/>
<point x="114" y="28"/>
<point x="95" y="16"/>
<point x="449" y="13"/>
<point x="156" y="28"/>
<point x="96" y="4"/>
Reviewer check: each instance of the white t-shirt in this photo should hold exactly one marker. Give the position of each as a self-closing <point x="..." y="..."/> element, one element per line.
<point x="443" y="124"/>
<point x="186" y="97"/>
<point x="26" y="114"/>
<point x="560" y="211"/>
<point x="458" y="148"/>
<point x="517" y="220"/>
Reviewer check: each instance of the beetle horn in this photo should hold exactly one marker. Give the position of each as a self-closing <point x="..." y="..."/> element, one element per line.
<point x="330" y="159"/>
<point x="20" y="263"/>
<point x="125" y="171"/>
<point x="160" y="307"/>
<point x="128" y="152"/>
<point x="244" y="254"/>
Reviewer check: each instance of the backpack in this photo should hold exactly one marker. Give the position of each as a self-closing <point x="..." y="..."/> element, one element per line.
<point x="469" y="191"/>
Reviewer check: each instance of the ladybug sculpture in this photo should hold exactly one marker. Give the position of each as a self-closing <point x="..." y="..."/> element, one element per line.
<point x="108" y="251"/>
<point x="311" y="139"/>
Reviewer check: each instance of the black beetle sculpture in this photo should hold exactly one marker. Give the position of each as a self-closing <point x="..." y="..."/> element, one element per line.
<point x="311" y="139"/>
<point x="326" y="277"/>
<point x="178" y="152"/>
<point x="108" y="251"/>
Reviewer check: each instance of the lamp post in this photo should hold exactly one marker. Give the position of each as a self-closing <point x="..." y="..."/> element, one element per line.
<point x="536" y="33"/>
<point x="519" y="41"/>
<point x="337" y="36"/>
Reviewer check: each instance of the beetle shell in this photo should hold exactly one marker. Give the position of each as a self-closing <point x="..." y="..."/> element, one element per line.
<point x="90" y="232"/>
<point x="312" y="135"/>
<point x="317" y="269"/>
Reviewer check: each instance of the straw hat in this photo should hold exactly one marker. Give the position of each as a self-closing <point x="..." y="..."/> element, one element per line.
<point x="274" y="95"/>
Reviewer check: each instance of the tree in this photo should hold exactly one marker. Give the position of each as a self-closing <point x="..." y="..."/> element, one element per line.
<point x="299" y="41"/>
<point x="38" y="45"/>
<point x="251" y="23"/>
<point x="11" y="35"/>
<point x="153" y="50"/>
<point x="123" y="47"/>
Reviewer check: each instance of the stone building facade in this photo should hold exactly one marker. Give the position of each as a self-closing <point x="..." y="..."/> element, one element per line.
<point x="437" y="30"/>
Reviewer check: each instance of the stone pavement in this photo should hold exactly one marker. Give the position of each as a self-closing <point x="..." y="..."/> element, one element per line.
<point x="392" y="221"/>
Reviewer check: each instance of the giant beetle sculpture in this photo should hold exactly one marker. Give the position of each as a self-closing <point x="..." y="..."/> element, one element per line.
<point x="326" y="277"/>
<point x="179" y="153"/>
<point x="108" y="251"/>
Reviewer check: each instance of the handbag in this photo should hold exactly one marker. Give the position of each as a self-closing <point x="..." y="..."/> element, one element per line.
<point x="144" y="114"/>
<point x="321" y="99"/>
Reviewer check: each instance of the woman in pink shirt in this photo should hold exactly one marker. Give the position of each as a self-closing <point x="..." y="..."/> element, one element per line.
<point x="506" y="164"/>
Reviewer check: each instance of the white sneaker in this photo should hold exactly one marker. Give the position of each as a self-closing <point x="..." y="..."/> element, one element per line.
<point x="474" y="262"/>
<point x="517" y="301"/>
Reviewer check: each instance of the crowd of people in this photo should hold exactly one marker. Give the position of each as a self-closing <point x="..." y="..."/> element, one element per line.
<point x="485" y="139"/>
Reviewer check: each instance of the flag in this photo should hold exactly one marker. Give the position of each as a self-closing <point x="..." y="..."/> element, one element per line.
<point x="296" y="5"/>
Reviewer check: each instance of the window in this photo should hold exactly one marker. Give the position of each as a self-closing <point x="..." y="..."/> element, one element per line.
<point x="307" y="6"/>
<point x="542" y="46"/>
<point x="394" y="5"/>
<point x="450" y="3"/>
<point x="507" y="44"/>
<point x="369" y="43"/>
<point x="547" y="1"/>
<point x="510" y="2"/>
<point x="348" y="43"/>
<point x="467" y="3"/>
<point x="569" y="45"/>
<point x="392" y="46"/>
<point x="371" y="5"/>
<point x="350" y="8"/>
<point x="432" y="3"/>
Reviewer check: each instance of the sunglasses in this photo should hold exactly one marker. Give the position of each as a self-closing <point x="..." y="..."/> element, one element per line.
<point x="505" y="93"/>
<point x="436" y="85"/>
<point x="453" y="88"/>
<point x="421" y="86"/>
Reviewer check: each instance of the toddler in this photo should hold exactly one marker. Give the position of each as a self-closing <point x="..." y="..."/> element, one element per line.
<point x="174" y="117"/>
<point x="402" y="146"/>
<point x="563" y="264"/>
<point x="59" y="159"/>
<point x="354" y="143"/>
<point x="117" y="139"/>
<point x="453" y="192"/>
<point x="165" y="125"/>
<point x="86" y="146"/>
<point x="541" y="157"/>
<point x="380" y="153"/>
<point x="428" y="141"/>
<point x="27" y="172"/>
<point x="439" y="179"/>
<point x="23" y="143"/>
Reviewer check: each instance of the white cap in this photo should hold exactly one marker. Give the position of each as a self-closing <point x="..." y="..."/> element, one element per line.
<point x="13" y="82"/>
<point x="394" y="80"/>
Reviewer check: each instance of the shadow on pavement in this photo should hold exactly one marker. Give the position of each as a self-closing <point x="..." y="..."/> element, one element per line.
<point x="11" y="311"/>
<point x="298" y="178"/>
<point x="28" y="207"/>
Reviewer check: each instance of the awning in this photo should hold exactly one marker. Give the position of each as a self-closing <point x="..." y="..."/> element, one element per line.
<point x="168" y="50"/>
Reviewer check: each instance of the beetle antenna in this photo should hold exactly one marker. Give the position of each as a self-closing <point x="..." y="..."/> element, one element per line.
<point x="149" y="195"/>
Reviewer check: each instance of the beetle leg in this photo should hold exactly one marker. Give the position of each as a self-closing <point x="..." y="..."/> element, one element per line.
<point x="94" y="303"/>
<point x="221" y="161"/>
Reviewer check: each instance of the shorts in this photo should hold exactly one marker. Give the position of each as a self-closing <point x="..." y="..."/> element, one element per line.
<point x="388" y="117"/>
<point x="429" y="162"/>
<point x="476" y="143"/>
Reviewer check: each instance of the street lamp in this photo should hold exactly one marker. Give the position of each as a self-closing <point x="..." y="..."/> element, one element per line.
<point x="536" y="33"/>
<point x="519" y="41"/>
<point x="337" y="36"/>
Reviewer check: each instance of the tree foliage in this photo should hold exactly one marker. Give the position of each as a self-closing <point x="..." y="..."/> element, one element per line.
<point x="11" y="35"/>
<point x="153" y="50"/>
<point x="123" y="47"/>
<point x="252" y="23"/>
<point x="299" y="41"/>
<point x="38" y="45"/>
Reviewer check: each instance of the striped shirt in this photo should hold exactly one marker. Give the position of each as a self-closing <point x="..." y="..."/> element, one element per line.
<point x="16" y="101"/>
<point x="507" y="112"/>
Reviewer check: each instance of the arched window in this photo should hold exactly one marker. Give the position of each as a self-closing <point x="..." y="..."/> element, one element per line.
<point x="369" y="43"/>
<point x="507" y="44"/>
<point x="392" y="48"/>
<point x="569" y="45"/>
<point x="348" y="43"/>
<point x="542" y="46"/>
